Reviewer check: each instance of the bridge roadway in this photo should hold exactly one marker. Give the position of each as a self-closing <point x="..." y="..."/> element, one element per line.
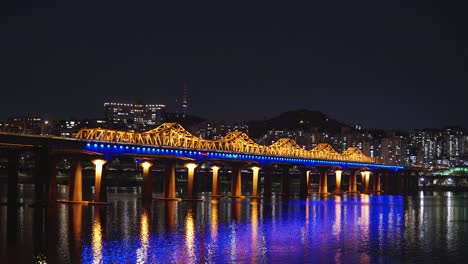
<point x="48" y="151"/>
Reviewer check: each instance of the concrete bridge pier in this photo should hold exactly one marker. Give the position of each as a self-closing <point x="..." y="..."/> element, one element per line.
<point x="323" y="180"/>
<point x="169" y="180"/>
<point x="284" y="181"/>
<point x="147" y="183"/>
<point x="45" y="177"/>
<point x="304" y="183"/>
<point x="75" y="181"/>
<point x="236" y="181"/>
<point x="365" y="179"/>
<point x="267" y="181"/>
<point x="13" y="169"/>
<point x="255" y="172"/>
<point x="190" y="178"/>
<point x="352" y="188"/>
<point x="376" y="183"/>
<point x="215" y="189"/>
<point x="338" y="174"/>
<point x="98" y="173"/>
<point x="308" y="182"/>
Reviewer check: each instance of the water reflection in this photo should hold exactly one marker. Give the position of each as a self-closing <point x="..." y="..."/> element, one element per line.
<point x="97" y="237"/>
<point x="190" y="234"/>
<point x="214" y="220"/>
<point x="362" y="228"/>
<point x="142" y="252"/>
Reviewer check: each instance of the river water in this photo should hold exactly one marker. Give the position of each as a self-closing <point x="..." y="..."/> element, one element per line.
<point x="338" y="229"/>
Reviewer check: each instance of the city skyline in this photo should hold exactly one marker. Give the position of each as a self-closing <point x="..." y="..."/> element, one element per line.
<point x="376" y="64"/>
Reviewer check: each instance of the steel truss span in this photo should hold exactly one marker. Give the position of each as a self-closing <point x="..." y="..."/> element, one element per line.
<point x="174" y="135"/>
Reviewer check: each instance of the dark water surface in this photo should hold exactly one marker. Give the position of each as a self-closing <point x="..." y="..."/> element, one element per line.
<point x="353" y="229"/>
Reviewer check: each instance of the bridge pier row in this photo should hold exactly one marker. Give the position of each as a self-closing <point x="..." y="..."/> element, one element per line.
<point x="323" y="181"/>
<point x="255" y="172"/>
<point x="190" y="175"/>
<point x="267" y="181"/>
<point x="169" y="180"/>
<point x="338" y="175"/>
<point x="215" y="192"/>
<point x="13" y="170"/>
<point x="284" y="181"/>
<point x="147" y="183"/>
<point x="99" y="166"/>
<point x="236" y="181"/>
<point x="352" y="188"/>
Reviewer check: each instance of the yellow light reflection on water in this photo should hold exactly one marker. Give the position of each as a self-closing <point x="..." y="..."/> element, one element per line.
<point x="214" y="219"/>
<point x="190" y="235"/>
<point x="364" y="226"/>
<point x="142" y="252"/>
<point x="254" y="223"/>
<point x="97" y="237"/>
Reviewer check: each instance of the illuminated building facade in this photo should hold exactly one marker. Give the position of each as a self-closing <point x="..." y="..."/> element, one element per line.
<point x="134" y="116"/>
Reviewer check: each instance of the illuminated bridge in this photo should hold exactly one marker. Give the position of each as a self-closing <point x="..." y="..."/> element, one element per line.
<point x="171" y="144"/>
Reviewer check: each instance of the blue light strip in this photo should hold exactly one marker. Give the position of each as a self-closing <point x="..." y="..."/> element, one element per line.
<point x="113" y="149"/>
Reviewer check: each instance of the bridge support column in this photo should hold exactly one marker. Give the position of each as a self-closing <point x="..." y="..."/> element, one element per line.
<point x="255" y="171"/>
<point x="41" y="157"/>
<point x="352" y="189"/>
<point x="308" y="182"/>
<point x="338" y="174"/>
<point x="376" y="183"/>
<point x="75" y="182"/>
<point x="236" y="181"/>
<point x="49" y="169"/>
<point x="323" y="184"/>
<point x="365" y="181"/>
<point x="147" y="184"/>
<point x="190" y="174"/>
<point x="13" y="169"/>
<point x="267" y="181"/>
<point x="169" y="180"/>
<point x="284" y="184"/>
<point x="304" y="183"/>
<point x="99" y="164"/>
<point x="215" y="184"/>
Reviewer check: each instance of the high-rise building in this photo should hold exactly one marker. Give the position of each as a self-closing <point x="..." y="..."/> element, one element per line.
<point x="134" y="116"/>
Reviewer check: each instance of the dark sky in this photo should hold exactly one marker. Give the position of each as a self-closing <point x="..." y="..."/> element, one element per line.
<point x="383" y="64"/>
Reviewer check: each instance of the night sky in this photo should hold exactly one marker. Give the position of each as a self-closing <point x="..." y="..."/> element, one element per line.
<point x="400" y="65"/>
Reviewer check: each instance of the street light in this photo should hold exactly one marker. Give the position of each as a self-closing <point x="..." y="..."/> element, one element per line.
<point x="46" y="122"/>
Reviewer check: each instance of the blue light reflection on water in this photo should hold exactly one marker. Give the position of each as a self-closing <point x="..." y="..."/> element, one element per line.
<point x="338" y="229"/>
<point x="364" y="229"/>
